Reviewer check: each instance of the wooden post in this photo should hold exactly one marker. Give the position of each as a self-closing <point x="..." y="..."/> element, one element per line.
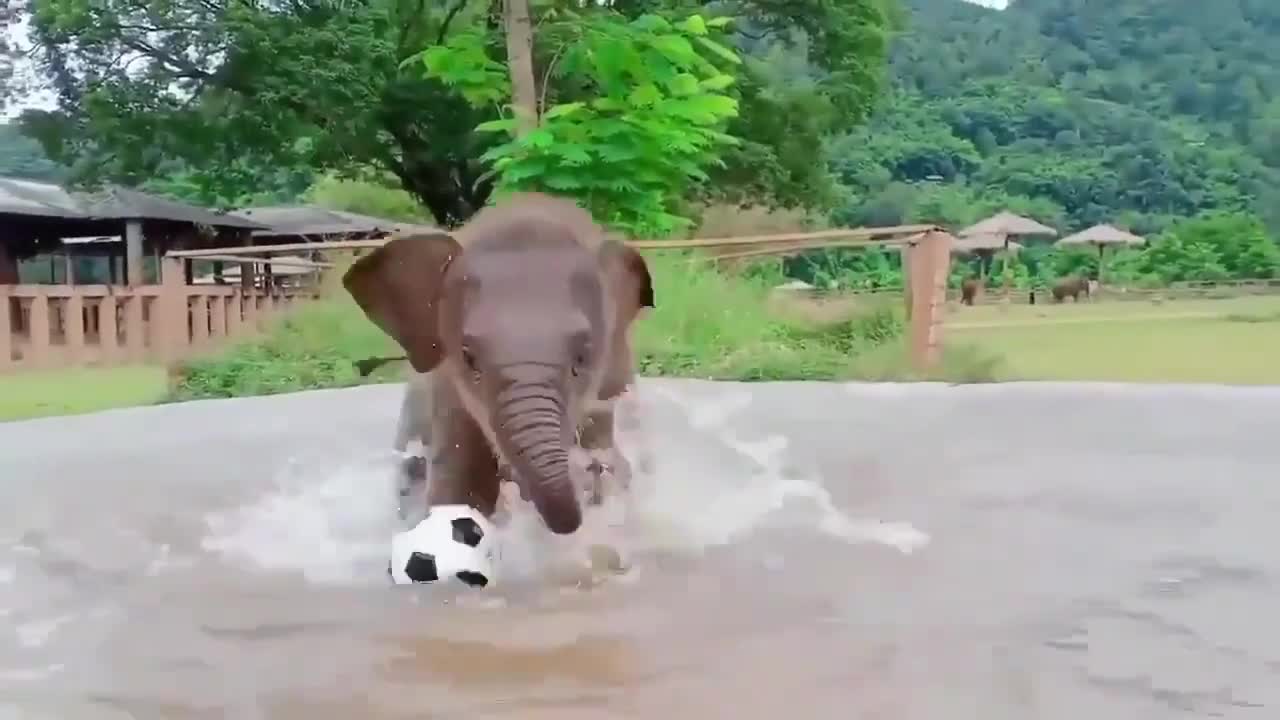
<point x="8" y="266"/>
<point x="907" y="270"/>
<point x="931" y="259"/>
<point x="6" y="327"/>
<point x="171" y="325"/>
<point x="73" y="326"/>
<point x="247" y="269"/>
<point x="133" y="253"/>
<point x="108" y="328"/>
<point x="250" y="300"/>
<point x="218" y="311"/>
<point x="199" y="320"/>
<point x="235" y="320"/>
<point x="269" y="304"/>
<point x="37" y="354"/>
<point x="135" y="328"/>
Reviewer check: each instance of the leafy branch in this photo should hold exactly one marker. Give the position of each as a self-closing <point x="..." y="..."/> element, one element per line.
<point x="648" y="120"/>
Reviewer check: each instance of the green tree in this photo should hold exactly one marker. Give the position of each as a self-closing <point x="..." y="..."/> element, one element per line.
<point x="22" y="157"/>
<point x="1137" y="109"/>
<point x="630" y="152"/>
<point x="226" y="86"/>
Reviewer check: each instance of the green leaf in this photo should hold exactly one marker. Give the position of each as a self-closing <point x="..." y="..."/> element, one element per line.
<point x="720" y="50"/>
<point x="572" y="154"/>
<point x="717" y="82"/>
<point x="678" y="50"/>
<point x="609" y="104"/>
<point x="694" y="25"/>
<point x="562" y="110"/>
<point x="562" y="181"/>
<point x="503" y="125"/>
<point x="540" y="138"/>
<point x="684" y="84"/>
<point x="719" y="22"/>
<point x="645" y="95"/>
<point x="651" y="23"/>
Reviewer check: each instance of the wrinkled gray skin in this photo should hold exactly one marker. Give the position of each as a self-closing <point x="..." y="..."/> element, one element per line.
<point x="518" y="328"/>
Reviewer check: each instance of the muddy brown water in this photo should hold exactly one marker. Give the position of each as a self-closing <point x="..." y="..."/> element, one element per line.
<point x="865" y="551"/>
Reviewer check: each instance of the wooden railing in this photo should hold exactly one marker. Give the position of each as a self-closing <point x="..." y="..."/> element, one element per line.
<point x="48" y="326"/>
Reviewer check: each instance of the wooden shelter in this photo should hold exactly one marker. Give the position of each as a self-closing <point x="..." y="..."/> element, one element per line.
<point x="291" y="223"/>
<point x="125" y="227"/>
<point x="996" y="232"/>
<point x="1101" y="236"/>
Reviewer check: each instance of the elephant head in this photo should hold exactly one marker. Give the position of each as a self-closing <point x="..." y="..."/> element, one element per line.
<point x="525" y="312"/>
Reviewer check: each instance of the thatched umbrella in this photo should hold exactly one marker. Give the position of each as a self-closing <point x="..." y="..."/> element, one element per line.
<point x="984" y="245"/>
<point x="1007" y="224"/>
<point x="1003" y="226"/>
<point x="1102" y="236"/>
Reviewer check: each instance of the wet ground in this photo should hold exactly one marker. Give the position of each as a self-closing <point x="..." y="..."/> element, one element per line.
<point x="869" y="551"/>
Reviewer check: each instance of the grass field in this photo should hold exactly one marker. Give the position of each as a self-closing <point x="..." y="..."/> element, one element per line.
<point x="72" y="391"/>
<point x="1235" y="341"/>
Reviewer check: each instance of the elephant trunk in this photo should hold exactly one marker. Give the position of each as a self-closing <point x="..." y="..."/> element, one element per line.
<point x="534" y="433"/>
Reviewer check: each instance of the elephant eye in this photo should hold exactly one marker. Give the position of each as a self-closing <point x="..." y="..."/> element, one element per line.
<point x="469" y="359"/>
<point x="579" y="360"/>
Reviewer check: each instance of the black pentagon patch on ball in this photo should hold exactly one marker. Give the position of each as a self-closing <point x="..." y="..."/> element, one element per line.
<point x="421" y="568"/>
<point x="467" y="531"/>
<point x="472" y="578"/>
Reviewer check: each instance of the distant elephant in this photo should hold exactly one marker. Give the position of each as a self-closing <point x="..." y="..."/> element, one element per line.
<point x="518" y="330"/>
<point x="1072" y="286"/>
<point x="969" y="289"/>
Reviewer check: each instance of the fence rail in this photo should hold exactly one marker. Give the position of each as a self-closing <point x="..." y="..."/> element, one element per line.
<point x="49" y="326"/>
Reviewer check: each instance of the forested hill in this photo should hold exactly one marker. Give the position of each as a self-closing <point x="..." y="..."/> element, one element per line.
<point x="1073" y="111"/>
<point x="1080" y="111"/>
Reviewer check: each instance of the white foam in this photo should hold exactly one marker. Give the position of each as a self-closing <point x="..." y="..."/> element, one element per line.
<point x="331" y="525"/>
<point x="704" y="487"/>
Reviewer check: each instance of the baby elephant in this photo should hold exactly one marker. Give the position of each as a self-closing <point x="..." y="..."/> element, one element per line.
<point x="518" y="327"/>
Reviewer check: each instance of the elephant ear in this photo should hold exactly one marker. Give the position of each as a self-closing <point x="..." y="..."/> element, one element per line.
<point x="398" y="287"/>
<point x="627" y="277"/>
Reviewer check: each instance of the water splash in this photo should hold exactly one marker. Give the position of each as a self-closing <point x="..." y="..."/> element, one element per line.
<point x="331" y="525"/>
<point x="697" y="485"/>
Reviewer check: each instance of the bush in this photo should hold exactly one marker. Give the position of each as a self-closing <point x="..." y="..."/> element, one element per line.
<point x="315" y="347"/>
<point x="710" y="324"/>
<point x="707" y="324"/>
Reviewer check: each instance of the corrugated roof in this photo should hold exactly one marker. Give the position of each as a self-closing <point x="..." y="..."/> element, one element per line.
<point x="302" y="220"/>
<point x="27" y="197"/>
<point x="37" y="199"/>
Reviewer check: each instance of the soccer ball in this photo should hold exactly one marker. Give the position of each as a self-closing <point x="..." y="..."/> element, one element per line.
<point x="452" y="541"/>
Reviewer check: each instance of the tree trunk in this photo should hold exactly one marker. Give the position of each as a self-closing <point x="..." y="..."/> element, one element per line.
<point x="524" y="89"/>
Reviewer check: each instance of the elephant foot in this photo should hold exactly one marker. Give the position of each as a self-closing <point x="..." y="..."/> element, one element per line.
<point x="604" y="468"/>
<point x="411" y="487"/>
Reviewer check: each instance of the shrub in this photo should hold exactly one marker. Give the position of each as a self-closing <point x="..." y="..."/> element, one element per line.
<point x="707" y="324"/>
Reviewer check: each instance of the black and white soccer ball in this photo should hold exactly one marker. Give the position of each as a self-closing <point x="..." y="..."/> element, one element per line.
<point x="453" y="542"/>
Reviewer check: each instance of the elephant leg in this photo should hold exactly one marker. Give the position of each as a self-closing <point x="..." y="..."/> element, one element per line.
<point x="464" y="468"/>
<point x="597" y="439"/>
<point x="414" y="424"/>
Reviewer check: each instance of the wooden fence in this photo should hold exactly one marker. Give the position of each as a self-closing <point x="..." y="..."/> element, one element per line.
<point x="49" y="326"/>
<point x="52" y="326"/>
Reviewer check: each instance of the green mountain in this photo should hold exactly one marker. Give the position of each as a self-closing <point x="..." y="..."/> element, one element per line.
<point x="1077" y="111"/>
<point x="22" y="157"/>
